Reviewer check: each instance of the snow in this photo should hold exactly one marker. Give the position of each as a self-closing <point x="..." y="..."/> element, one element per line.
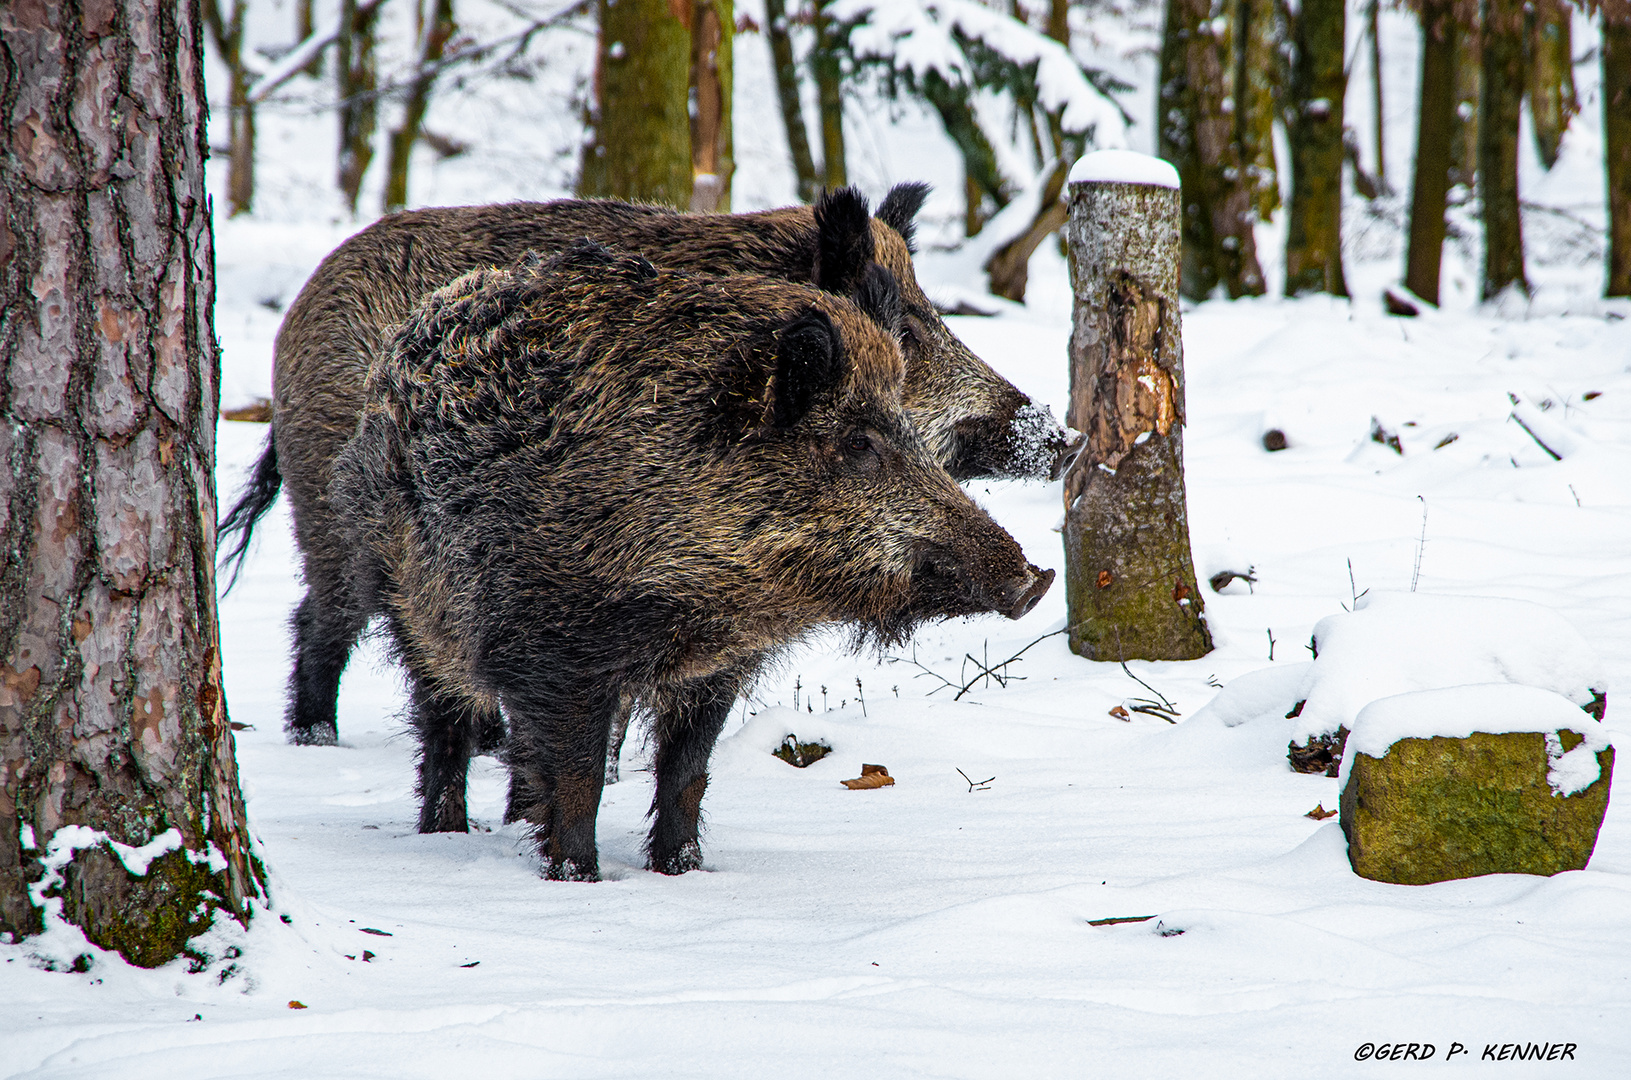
<point x="1123" y="167"/>
<point x="928" y="929"/>
<point x="1496" y="708"/>
<point x="1397" y="642"/>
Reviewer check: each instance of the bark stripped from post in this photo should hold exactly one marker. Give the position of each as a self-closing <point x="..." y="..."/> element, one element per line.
<point x="111" y="712"/>
<point x="1129" y="576"/>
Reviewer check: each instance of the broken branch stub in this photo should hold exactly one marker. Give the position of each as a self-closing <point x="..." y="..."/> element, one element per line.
<point x="1130" y="577"/>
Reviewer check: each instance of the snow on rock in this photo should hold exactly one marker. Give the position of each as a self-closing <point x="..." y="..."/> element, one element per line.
<point x="1501" y="708"/>
<point x="1396" y="642"/>
<point x="1123" y="167"/>
<point x="1258" y="694"/>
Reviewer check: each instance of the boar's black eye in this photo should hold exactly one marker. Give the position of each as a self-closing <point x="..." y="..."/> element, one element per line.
<point x="858" y="442"/>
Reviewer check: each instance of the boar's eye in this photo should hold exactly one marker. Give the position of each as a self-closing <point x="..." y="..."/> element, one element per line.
<point x="858" y="442"/>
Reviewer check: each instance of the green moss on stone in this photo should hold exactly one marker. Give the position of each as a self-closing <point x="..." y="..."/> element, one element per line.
<point x="1442" y="808"/>
<point x="148" y="920"/>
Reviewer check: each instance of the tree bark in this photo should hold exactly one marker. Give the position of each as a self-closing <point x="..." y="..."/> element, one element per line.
<point x="787" y="94"/>
<point x="1501" y="105"/>
<point x="228" y="37"/>
<point x="639" y="145"/>
<point x="305" y="23"/>
<point x="712" y="23"/>
<point x="113" y="728"/>
<point x="359" y="107"/>
<point x="1255" y="41"/>
<point x="1199" y="134"/>
<point x="1435" y="119"/>
<point x="1552" y="102"/>
<point x="434" y="34"/>
<point x="1129" y="576"/>
<point x="1373" y="31"/>
<point x="827" y="63"/>
<point x="1318" y="84"/>
<point x="1468" y="77"/>
<point x="1616" y="93"/>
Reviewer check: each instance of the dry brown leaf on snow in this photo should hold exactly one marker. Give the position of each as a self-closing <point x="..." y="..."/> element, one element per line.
<point x="1120" y="714"/>
<point x="296" y="1005"/>
<point x="872" y="776"/>
<point x="1320" y="813"/>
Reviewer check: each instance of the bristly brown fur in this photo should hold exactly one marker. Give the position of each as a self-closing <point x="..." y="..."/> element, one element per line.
<point x="588" y="480"/>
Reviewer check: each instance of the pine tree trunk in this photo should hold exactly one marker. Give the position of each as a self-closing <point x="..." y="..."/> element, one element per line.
<point x="1199" y="135"/>
<point x="1501" y="100"/>
<point x="111" y="712"/>
<point x="1129" y="575"/>
<point x="1318" y="84"/>
<point x="359" y="107"/>
<point x="1468" y="76"/>
<point x="434" y="35"/>
<point x="1552" y="102"/>
<point x="640" y="126"/>
<point x="712" y="23"/>
<point x="1434" y="123"/>
<point x="228" y="37"/>
<point x="827" y="63"/>
<point x="1616" y="91"/>
<point x="787" y="94"/>
<point x="1255" y="41"/>
<point x="1373" y="31"/>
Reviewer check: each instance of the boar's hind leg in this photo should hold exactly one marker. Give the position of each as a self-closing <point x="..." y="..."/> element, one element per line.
<point x="324" y="632"/>
<point x="686" y="731"/>
<point x="557" y="758"/>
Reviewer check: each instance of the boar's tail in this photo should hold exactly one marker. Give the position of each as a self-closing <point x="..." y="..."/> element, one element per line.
<point x="257" y="498"/>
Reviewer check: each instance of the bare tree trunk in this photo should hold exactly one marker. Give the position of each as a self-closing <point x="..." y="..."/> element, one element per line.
<point x="640" y="127"/>
<point x="1130" y="578"/>
<point x="827" y="62"/>
<point x="1318" y="83"/>
<point x="1616" y="93"/>
<point x="228" y="38"/>
<point x="1501" y="104"/>
<point x="1255" y="42"/>
<point x="1552" y="102"/>
<point x="1373" y="32"/>
<point x="712" y="23"/>
<point x="787" y="93"/>
<point x="1009" y="267"/>
<point x="1468" y="77"/>
<point x="1198" y="133"/>
<point x="113" y="728"/>
<point x="434" y="34"/>
<point x="1435" y="121"/>
<point x="359" y="107"/>
<point x="305" y="24"/>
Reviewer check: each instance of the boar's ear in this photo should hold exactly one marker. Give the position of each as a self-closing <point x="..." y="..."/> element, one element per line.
<point x="843" y="240"/>
<point x="900" y="207"/>
<point x="879" y="297"/>
<point x="809" y="360"/>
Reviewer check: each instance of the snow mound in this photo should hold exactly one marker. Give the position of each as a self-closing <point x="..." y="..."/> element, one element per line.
<point x="1123" y="167"/>
<point x="1500" y="708"/>
<point x="1394" y="643"/>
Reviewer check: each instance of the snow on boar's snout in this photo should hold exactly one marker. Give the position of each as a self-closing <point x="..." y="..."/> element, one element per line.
<point x="585" y="483"/>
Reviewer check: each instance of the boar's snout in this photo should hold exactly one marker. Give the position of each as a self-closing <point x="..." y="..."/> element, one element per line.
<point x="1025" y="591"/>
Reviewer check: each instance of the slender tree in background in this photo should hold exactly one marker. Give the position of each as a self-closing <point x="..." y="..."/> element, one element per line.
<point x="357" y="80"/>
<point x="1316" y="85"/>
<point x="1616" y="91"/>
<point x="1468" y="76"/>
<point x="1500" y="95"/>
<point x="1552" y="100"/>
<point x="305" y="24"/>
<point x="712" y="164"/>
<point x="1373" y="33"/>
<point x="1254" y="37"/>
<point x="1434" y="124"/>
<point x="638" y="145"/>
<point x="787" y="95"/>
<point x="1201" y="131"/>
<point x="827" y="64"/>
<point x="228" y="37"/>
<point x="985" y="189"/>
<point x="435" y="28"/>
<point x="113" y="727"/>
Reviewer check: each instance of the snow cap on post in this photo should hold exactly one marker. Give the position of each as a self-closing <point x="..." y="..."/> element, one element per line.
<point x="1123" y="167"/>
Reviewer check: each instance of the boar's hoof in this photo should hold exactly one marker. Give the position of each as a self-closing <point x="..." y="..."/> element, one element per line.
<point x="687" y="858"/>
<point x="1022" y="600"/>
<point x="570" y="870"/>
<point x="322" y="733"/>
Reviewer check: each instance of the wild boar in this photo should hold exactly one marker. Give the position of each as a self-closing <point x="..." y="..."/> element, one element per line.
<point x="586" y="480"/>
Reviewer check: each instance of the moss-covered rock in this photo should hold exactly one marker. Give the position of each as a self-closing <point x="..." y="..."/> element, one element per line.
<point x="1433" y="809"/>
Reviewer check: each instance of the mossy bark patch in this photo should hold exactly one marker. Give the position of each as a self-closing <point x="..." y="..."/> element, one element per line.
<point x="1442" y="808"/>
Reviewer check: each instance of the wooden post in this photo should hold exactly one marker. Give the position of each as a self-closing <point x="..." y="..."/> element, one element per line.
<point x="1129" y="576"/>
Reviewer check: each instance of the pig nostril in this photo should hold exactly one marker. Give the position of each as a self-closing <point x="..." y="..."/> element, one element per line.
<point x="1041" y="580"/>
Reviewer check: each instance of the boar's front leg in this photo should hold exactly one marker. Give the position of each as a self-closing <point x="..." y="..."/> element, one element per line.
<point x="557" y="758"/>
<point x="448" y="731"/>
<point x="686" y="730"/>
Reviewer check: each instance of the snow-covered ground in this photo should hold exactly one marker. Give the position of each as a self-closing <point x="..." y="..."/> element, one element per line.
<point x="936" y="928"/>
